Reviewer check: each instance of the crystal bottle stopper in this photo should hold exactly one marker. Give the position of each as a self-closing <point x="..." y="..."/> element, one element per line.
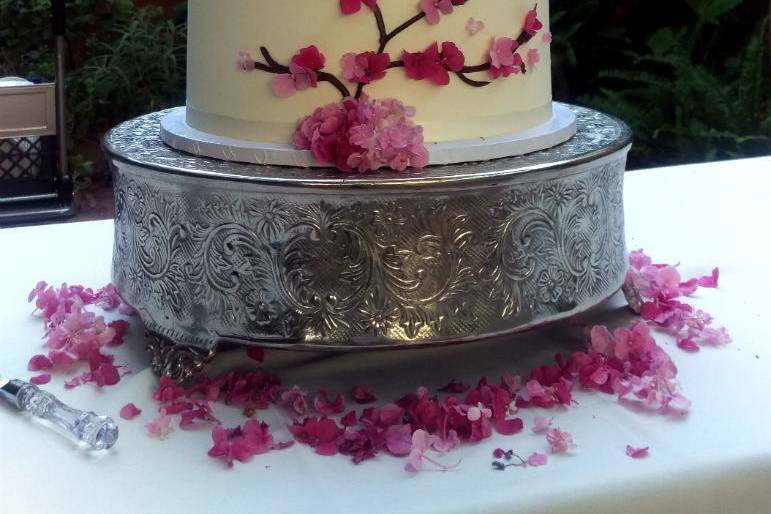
<point x="99" y="432"/>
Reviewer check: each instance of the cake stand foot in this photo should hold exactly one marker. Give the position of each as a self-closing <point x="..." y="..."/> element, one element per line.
<point x="178" y="362"/>
<point x="633" y="297"/>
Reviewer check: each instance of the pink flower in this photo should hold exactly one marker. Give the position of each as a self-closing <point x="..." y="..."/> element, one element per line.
<point x="363" y="395"/>
<point x="130" y="411"/>
<point x="541" y="425"/>
<point x="295" y="397"/>
<point x="417" y="458"/>
<point x="365" y="67"/>
<point x="504" y="60"/>
<point x="537" y="459"/>
<point x="200" y="411"/>
<point x="160" y="426"/>
<point x="432" y="9"/>
<point x="532" y="23"/>
<point x="242" y="443"/>
<point x="319" y="433"/>
<point x="327" y="407"/>
<point x="353" y="6"/>
<point x="636" y="453"/>
<point x="168" y="390"/>
<point x="363" y="135"/>
<point x="533" y="57"/>
<point x="302" y="74"/>
<point x="474" y="26"/>
<point x="433" y="65"/>
<point x="547" y="38"/>
<point x="559" y="441"/>
<point x="40" y="379"/>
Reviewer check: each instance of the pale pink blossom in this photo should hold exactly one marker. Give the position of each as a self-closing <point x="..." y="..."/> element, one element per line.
<point x="559" y="441"/>
<point x="537" y="459"/>
<point x="245" y="61"/>
<point x="546" y="38"/>
<point x="160" y="426"/>
<point x="533" y="57"/>
<point x="541" y="424"/>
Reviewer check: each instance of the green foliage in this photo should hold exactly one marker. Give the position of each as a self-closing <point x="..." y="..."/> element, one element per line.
<point x="136" y="70"/>
<point x="692" y="93"/>
<point x="123" y="62"/>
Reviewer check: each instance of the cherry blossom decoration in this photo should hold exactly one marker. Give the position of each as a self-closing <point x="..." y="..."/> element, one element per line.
<point x="349" y="135"/>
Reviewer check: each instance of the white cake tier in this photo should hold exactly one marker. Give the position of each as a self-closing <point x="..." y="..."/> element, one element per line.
<point x="226" y="101"/>
<point x="177" y="133"/>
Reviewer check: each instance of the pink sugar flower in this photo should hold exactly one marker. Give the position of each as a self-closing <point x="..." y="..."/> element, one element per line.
<point x="433" y="9"/>
<point x="559" y="441"/>
<point x="504" y="60"/>
<point x="302" y="74"/>
<point x="532" y="23"/>
<point x="353" y="6"/>
<point x="245" y="61"/>
<point x="434" y="64"/>
<point x="365" y="67"/>
<point x="537" y="459"/>
<point x="547" y="38"/>
<point x="533" y="57"/>
<point x="636" y="453"/>
<point x="474" y="26"/>
<point x="363" y="135"/>
<point x="130" y="411"/>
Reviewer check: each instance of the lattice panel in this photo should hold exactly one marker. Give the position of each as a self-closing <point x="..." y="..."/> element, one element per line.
<point x="21" y="159"/>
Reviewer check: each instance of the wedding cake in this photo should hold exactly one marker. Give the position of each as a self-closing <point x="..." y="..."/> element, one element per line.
<point x="365" y="84"/>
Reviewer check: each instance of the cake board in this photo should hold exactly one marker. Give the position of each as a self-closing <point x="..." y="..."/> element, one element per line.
<point x="211" y="252"/>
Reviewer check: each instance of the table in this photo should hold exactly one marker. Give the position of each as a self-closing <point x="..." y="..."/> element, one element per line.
<point x="716" y="459"/>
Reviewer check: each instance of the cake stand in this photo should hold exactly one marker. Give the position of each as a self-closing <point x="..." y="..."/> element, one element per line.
<point x="211" y="252"/>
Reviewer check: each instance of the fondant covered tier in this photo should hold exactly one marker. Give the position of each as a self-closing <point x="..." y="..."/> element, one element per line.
<point x="469" y="68"/>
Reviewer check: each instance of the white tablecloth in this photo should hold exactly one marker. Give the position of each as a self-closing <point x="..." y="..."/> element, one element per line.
<point x="717" y="459"/>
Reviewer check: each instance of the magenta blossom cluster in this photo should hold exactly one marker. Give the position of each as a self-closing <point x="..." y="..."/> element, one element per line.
<point x="76" y="335"/>
<point x="660" y="285"/>
<point x="363" y="135"/>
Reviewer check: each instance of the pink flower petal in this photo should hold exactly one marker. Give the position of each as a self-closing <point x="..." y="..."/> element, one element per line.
<point x="39" y="362"/>
<point x="40" y="379"/>
<point x="636" y="453"/>
<point x="256" y="354"/>
<point x="363" y="395"/>
<point x="687" y="344"/>
<point x="130" y="411"/>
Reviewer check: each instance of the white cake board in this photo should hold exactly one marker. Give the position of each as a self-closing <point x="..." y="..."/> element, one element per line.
<point x="176" y="133"/>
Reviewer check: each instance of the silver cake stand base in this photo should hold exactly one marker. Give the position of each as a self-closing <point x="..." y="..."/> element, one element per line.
<point x="212" y="252"/>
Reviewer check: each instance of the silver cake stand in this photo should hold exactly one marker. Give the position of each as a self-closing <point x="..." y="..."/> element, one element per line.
<point x="212" y="252"/>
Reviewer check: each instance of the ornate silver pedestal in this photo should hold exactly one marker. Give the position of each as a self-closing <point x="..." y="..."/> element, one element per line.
<point x="210" y="251"/>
